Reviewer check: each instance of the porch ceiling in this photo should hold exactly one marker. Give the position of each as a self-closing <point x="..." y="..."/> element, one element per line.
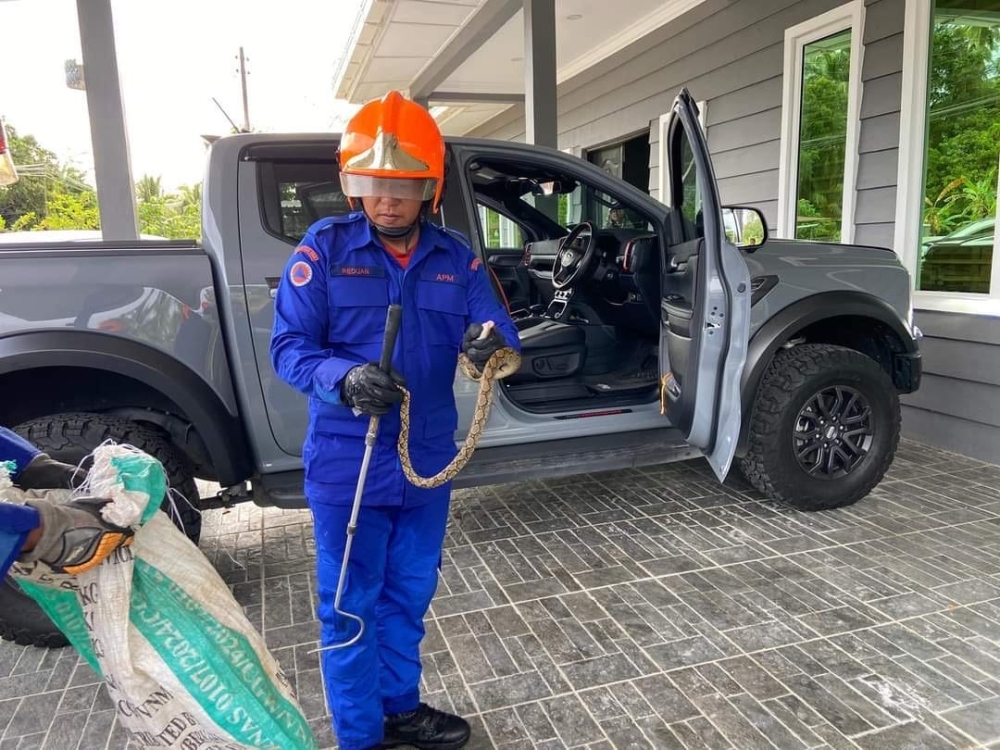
<point x="396" y="42"/>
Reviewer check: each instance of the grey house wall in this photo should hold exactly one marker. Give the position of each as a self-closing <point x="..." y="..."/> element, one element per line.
<point x="731" y="54"/>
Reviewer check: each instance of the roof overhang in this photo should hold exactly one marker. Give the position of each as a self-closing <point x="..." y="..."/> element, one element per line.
<point x="465" y="57"/>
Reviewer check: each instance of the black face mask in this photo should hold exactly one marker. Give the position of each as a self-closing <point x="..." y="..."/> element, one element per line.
<point x="398" y="233"/>
<point x="395" y="233"/>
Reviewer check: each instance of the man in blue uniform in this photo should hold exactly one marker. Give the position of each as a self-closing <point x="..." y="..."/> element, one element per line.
<point x="68" y="536"/>
<point x="330" y="314"/>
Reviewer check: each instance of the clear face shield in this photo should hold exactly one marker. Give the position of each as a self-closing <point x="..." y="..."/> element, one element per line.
<point x="365" y="186"/>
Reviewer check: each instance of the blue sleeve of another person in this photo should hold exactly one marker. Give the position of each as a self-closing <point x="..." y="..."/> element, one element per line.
<point x="16" y="521"/>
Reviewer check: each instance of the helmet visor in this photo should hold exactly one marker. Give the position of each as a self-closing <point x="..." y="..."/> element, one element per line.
<point x="365" y="186"/>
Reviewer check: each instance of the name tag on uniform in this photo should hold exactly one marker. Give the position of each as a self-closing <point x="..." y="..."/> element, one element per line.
<point x="366" y="271"/>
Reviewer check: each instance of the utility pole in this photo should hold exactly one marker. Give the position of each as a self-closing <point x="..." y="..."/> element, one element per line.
<point x="243" y="85"/>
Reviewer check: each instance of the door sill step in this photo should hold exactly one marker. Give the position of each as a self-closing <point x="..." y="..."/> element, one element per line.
<point x="525" y="462"/>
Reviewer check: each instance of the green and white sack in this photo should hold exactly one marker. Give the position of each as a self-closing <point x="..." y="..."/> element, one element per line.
<point x="183" y="665"/>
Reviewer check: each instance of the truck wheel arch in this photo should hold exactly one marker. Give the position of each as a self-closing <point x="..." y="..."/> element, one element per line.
<point x="221" y="432"/>
<point x="783" y="327"/>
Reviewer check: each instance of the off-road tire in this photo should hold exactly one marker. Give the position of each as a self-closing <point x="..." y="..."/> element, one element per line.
<point x="69" y="438"/>
<point x="793" y="377"/>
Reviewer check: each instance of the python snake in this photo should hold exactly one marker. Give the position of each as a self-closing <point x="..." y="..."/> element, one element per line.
<point x="501" y="364"/>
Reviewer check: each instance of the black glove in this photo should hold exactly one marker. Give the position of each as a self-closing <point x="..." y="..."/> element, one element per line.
<point x="370" y="390"/>
<point x="45" y="473"/>
<point x="75" y="538"/>
<point x="480" y="350"/>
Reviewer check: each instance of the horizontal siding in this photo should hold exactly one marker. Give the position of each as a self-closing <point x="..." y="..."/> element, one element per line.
<point x="951" y="433"/>
<point x="877" y="169"/>
<point x="750" y="100"/>
<point x="883" y="18"/>
<point x="882" y="95"/>
<point x="876" y="235"/>
<point x="879" y="133"/>
<point x="958" y="404"/>
<point x="964" y="399"/>
<point x="749" y="187"/>
<point x="738" y="134"/>
<point x="980" y="329"/>
<point x="969" y="361"/>
<point x="882" y="58"/>
<point x="877" y="204"/>
<point x="878" y="148"/>
<point x="760" y="157"/>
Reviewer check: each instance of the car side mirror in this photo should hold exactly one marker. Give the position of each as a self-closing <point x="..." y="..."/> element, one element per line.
<point x="745" y="227"/>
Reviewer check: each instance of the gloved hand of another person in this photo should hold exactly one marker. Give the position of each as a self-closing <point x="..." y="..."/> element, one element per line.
<point x="74" y="537"/>
<point x="480" y="350"/>
<point x="371" y="391"/>
<point x="45" y="473"/>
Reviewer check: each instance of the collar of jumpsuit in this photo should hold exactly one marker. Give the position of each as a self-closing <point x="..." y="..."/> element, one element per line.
<point x="368" y="236"/>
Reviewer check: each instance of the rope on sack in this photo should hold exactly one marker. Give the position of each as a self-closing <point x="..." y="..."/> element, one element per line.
<point x="501" y="364"/>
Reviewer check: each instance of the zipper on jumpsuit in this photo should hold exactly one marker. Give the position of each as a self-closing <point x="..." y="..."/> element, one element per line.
<point x="400" y="275"/>
<point x="402" y="361"/>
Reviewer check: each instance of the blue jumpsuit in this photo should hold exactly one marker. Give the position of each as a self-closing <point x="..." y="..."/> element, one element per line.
<point x="16" y="521"/>
<point x="330" y="315"/>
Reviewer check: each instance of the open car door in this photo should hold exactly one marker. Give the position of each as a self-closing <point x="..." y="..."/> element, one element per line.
<point x="705" y="301"/>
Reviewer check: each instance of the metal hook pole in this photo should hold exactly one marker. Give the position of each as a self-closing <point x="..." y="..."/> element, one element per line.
<point x="385" y="364"/>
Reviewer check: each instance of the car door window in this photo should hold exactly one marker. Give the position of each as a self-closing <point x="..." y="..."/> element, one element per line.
<point x="687" y="188"/>
<point x="497" y="230"/>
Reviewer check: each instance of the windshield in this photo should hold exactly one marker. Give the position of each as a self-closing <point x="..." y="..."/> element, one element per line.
<point x="592" y="204"/>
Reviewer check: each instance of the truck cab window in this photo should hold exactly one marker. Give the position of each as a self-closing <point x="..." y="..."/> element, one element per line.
<point x="295" y="195"/>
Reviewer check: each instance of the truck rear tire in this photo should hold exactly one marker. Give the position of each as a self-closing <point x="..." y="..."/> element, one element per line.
<point x="70" y="438"/>
<point x="824" y="428"/>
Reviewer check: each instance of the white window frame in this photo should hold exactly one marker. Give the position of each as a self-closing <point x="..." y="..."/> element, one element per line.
<point x="848" y="16"/>
<point x="918" y="23"/>
<point x="663" y="183"/>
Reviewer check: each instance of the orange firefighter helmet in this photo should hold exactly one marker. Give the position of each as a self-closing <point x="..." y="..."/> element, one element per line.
<point x="392" y="147"/>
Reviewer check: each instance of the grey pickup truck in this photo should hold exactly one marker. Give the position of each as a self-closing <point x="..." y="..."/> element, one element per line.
<point x="650" y="332"/>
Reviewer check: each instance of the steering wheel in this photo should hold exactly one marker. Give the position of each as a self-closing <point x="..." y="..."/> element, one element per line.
<point x="572" y="263"/>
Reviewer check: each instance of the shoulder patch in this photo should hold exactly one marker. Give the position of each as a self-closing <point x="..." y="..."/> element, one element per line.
<point x="300" y="274"/>
<point x="475" y="265"/>
<point x="308" y="252"/>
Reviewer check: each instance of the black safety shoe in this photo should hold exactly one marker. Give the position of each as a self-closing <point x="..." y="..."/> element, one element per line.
<point x="426" y="729"/>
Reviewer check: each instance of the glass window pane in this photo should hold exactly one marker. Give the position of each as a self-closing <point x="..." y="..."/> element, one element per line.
<point x="688" y="199"/>
<point x="498" y="230"/>
<point x="826" y="69"/>
<point x="963" y="148"/>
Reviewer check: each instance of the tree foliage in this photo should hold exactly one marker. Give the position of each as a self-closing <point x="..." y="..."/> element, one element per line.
<point x="963" y="131"/>
<point x="823" y="138"/>
<point x="50" y="195"/>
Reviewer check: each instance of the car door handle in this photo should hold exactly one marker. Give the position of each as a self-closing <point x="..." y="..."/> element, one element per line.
<point x="272" y="285"/>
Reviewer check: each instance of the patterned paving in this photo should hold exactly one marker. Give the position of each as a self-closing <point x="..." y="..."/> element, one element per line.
<point x="655" y="609"/>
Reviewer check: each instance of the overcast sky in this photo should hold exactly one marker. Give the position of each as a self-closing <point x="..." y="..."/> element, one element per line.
<point x="174" y="57"/>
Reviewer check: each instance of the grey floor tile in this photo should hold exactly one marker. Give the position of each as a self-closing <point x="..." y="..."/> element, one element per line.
<point x="571" y="720"/>
<point x="980" y="720"/>
<point x="913" y="736"/>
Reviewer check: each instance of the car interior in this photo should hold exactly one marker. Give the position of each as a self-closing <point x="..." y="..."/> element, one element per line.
<point x="580" y="273"/>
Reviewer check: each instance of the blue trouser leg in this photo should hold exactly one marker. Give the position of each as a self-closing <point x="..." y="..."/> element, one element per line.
<point x="351" y="674"/>
<point x="411" y="579"/>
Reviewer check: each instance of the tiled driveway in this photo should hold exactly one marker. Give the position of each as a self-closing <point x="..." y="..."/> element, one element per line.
<point x="653" y="609"/>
